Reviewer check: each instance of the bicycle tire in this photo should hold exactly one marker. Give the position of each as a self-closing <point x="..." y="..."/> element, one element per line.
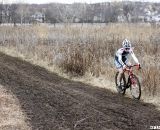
<point x="138" y="85"/>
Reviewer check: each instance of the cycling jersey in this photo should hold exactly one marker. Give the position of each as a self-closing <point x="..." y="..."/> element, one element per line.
<point x="121" y="57"/>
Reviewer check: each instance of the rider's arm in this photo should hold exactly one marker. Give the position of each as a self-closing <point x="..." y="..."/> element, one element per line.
<point x="119" y="55"/>
<point x="134" y="57"/>
<point x="120" y="60"/>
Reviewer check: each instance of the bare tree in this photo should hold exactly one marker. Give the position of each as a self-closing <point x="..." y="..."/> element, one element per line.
<point x="22" y="11"/>
<point x="1" y="12"/>
<point x="13" y="13"/>
<point x="111" y="13"/>
<point x="6" y="13"/>
<point x="52" y="14"/>
<point x="127" y="9"/>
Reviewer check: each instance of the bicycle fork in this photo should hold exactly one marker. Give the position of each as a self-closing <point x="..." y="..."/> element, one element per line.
<point x="132" y="80"/>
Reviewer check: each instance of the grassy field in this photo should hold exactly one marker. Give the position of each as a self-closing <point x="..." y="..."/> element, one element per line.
<point x="87" y="51"/>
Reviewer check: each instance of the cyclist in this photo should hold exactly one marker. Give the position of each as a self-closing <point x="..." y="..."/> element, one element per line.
<point x="121" y="58"/>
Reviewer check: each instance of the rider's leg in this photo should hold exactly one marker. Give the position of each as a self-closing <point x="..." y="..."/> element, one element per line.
<point x="120" y="70"/>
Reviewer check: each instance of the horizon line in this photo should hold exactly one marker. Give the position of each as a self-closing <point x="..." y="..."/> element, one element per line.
<point x="109" y="1"/>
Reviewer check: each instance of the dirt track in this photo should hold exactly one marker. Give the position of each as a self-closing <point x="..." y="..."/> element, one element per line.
<point x="54" y="103"/>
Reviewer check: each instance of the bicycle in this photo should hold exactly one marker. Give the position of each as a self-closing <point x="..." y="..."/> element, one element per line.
<point x="132" y="83"/>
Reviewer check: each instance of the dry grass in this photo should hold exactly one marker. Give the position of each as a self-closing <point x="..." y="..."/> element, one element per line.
<point x="88" y="50"/>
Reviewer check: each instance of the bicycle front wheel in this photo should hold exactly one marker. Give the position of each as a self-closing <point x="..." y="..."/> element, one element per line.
<point x="135" y="87"/>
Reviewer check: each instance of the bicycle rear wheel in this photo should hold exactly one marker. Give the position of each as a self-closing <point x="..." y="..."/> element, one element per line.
<point x="135" y="87"/>
<point x="123" y="84"/>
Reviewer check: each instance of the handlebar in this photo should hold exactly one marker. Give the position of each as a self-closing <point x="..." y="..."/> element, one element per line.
<point x="130" y="66"/>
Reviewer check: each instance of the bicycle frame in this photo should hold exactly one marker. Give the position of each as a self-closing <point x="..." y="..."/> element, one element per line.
<point x="132" y="83"/>
<point x="129" y="70"/>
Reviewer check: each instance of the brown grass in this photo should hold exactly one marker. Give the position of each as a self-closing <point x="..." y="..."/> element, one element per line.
<point x="90" y="49"/>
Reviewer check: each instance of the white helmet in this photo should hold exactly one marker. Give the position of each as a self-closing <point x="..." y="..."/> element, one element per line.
<point x="126" y="44"/>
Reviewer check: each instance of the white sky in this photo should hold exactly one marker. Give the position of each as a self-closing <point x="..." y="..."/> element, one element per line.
<point x="69" y="1"/>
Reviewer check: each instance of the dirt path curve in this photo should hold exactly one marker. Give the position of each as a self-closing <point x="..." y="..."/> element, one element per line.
<point x="54" y="103"/>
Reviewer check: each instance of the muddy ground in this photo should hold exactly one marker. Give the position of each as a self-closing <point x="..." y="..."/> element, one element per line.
<point x="51" y="102"/>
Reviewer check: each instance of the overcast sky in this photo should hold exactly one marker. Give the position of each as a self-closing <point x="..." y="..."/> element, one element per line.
<point x="69" y="1"/>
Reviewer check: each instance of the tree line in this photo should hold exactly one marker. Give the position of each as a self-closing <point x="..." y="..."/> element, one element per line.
<point x="77" y="12"/>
